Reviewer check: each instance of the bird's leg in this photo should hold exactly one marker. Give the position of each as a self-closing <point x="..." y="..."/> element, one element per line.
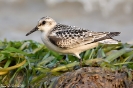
<point x="80" y="62"/>
<point x="65" y="57"/>
<point x="80" y="59"/>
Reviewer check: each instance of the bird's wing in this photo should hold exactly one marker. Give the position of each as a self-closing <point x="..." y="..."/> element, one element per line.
<point x="65" y="36"/>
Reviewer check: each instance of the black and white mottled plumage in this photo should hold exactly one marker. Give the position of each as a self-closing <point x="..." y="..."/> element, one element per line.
<point x="65" y="36"/>
<point x="70" y="39"/>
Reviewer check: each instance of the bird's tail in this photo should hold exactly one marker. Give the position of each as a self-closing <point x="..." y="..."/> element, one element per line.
<point x="109" y="39"/>
<point x="112" y="34"/>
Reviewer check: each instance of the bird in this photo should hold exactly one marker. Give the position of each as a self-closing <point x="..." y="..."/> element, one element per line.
<point x="68" y="39"/>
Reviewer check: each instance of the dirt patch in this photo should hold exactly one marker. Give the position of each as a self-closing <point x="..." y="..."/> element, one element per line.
<point x="94" y="77"/>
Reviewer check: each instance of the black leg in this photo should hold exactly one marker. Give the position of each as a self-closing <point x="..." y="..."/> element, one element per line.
<point x="80" y="62"/>
<point x="80" y="59"/>
<point x="65" y="57"/>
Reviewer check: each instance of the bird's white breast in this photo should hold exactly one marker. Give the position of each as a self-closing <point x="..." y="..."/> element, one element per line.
<point x="47" y="42"/>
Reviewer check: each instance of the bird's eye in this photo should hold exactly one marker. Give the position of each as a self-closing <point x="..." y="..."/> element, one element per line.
<point x="43" y="22"/>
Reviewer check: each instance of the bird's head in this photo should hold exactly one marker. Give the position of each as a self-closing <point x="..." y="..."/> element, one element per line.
<point x="44" y="24"/>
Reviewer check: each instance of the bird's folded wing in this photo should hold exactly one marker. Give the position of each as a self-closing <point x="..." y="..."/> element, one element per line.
<point x="71" y="37"/>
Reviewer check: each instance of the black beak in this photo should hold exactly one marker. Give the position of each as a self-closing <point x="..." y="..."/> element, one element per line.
<point x="33" y="30"/>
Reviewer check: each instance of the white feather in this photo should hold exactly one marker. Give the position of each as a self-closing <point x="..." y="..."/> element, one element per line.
<point x="109" y="41"/>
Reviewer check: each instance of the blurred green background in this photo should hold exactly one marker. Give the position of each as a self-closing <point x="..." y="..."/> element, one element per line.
<point x="17" y="17"/>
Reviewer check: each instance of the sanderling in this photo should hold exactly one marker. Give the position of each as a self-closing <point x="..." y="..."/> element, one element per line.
<point x="71" y="39"/>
